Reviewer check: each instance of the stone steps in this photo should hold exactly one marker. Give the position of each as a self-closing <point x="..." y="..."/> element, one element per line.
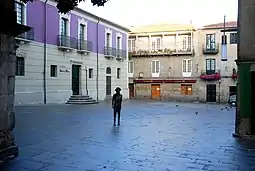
<point x="81" y="99"/>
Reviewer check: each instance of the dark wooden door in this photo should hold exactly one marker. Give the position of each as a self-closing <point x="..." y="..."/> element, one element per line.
<point x="76" y="79"/>
<point x="211" y="93"/>
<point x="131" y="91"/>
<point x="252" y="122"/>
<point x="108" y="85"/>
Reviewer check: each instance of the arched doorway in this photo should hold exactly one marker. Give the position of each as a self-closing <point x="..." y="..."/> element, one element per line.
<point x="108" y="81"/>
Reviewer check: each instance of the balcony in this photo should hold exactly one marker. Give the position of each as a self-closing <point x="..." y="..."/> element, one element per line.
<point x="67" y="43"/>
<point x="121" y="54"/>
<point x="163" y="52"/>
<point x="109" y="52"/>
<point x="211" y="50"/>
<point x="210" y="75"/>
<point x="26" y="37"/>
<point x="84" y="46"/>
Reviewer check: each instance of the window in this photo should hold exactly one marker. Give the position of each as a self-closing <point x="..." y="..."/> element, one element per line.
<point x="131" y="67"/>
<point x="20" y="11"/>
<point x="118" y="42"/>
<point x="210" y="41"/>
<point x="53" y="70"/>
<point x="233" y="38"/>
<point x="118" y="73"/>
<point x="131" y="44"/>
<point x="210" y="66"/>
<point x="186" y="67"/>
<point x="158" y="43"/>
<point x="20" y="66"/>
<point x="90" y="73"/>
<point x="186" y="44"/>
<point x="108" y="39"/>
<point x="155" y="68"/>
<point x="108" y="70"/>
<point x="153" y="46"/>
<point x="82" y="31"/>
<point x="186" y="89"/>
<point x="64" y="26"/>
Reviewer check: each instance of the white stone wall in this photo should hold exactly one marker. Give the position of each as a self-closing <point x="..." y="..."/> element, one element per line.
<point x="29" y="88"/>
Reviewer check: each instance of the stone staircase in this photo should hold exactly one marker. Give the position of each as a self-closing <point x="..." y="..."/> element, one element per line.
<point x="81" y="99"/>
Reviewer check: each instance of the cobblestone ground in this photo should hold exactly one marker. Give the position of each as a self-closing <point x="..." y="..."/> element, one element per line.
<point x="158" y="136"/>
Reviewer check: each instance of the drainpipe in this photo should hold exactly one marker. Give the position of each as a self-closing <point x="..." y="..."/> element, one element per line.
<point x="86" y="85"/>
<point x="44" y="55"/>
<point x="97" y="57"/>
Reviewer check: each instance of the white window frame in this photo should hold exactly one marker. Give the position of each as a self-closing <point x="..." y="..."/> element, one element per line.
<point x="109" y="31"/>
<point x="154" y="73"/>
<point x="132" y="41"/>
<point x="119" y="35"/>
<point x="68" y="18"/>
<point x="85" y="23"/>
<point x="24" y="11"/>
<point x="131" y="74"/>
<point x="158" y="43"/>
<point x="187" y="74"/>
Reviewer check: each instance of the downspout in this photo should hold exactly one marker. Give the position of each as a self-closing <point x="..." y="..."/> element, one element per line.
<point x="44" y="55"/>
<point x="97" y="57"/>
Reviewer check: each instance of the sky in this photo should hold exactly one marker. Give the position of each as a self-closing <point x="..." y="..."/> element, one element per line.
<point x="142" y="12"/>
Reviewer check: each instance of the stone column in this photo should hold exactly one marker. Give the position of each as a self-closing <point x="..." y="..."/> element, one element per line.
<point x="245" y="59"/>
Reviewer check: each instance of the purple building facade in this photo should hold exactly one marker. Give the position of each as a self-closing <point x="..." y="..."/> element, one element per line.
<point x="68" y="54"/>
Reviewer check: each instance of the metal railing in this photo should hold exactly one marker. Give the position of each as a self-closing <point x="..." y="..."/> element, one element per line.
<point x="84" y="45"/>
<point x="210" y="72"/>
<point x="30" y="35"/>
<point x="113" y="52"/>
<point x="211" y="50"/>
<point x="67" y="41"/>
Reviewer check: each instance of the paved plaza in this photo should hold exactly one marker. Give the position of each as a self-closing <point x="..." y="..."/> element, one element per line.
<point x="153" y="136"/>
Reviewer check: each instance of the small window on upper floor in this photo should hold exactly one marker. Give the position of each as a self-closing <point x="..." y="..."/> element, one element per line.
<point x="108" y="70"/>
<point x="155" y="68"/>
<point x="90" y="72"/>
<point x="186" y="67"/>
<point x="118" y="73"/>
<point x="118" y="43"/>
<point x="20" y="66"/>
<point x="131" y="44"/>
<point x="233" y="38"/>
<point x="130" y="67"/>
<point x="20" y="11"/>
<point x="53" y="70"/>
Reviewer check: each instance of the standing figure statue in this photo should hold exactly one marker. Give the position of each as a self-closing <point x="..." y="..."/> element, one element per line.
<point x="116" y="105"/>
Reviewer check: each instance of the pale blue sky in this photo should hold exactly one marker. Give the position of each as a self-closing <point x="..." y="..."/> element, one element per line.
<point x="140" y="12"/>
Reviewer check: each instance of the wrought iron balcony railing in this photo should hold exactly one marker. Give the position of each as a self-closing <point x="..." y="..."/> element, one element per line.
<point x="210" y="72"/>
<point x="30" y="35"/>
<point x="213" y="49"/>
<point x="84" y="45"/>
<point x="109" y="51"/>
<point x="67" y="42"/>
<point x="121" y="53"/>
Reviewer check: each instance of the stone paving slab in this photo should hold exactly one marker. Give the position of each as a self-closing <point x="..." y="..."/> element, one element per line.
<point x="153" y="136"/>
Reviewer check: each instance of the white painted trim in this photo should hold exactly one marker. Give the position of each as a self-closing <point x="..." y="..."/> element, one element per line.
<point x="155" y="74"/>
<point x="85" y="23"/>
<point x="187" y="74"/>
<point x="120" y="36"/>
<point x="86" y="17"/>
<point x="108" y="31"/>
<point x="68" y="17"/>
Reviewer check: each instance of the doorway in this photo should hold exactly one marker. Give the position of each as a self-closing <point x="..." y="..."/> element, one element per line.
<point x="131" y="90"/>
<point x="155" y="91"/>
<point x="232" y="90"/>
<point x="211" y="92"/>
<point x="108" y="85"/>
<point x="76" y="79"/>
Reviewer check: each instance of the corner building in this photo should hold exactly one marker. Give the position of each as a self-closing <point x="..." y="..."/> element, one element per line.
<point x="68" y="54"/>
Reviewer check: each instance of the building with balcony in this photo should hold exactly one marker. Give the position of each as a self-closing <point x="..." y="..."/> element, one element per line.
<point x="216" y="65"/>
<point x="161" y="62"/>
<point x="68" y="54"/>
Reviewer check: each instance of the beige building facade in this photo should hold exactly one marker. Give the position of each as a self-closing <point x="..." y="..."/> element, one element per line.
<point x="178" y="62"/>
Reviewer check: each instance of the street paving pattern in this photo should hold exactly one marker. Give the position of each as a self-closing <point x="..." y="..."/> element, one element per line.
<point x="153" y="136"/>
